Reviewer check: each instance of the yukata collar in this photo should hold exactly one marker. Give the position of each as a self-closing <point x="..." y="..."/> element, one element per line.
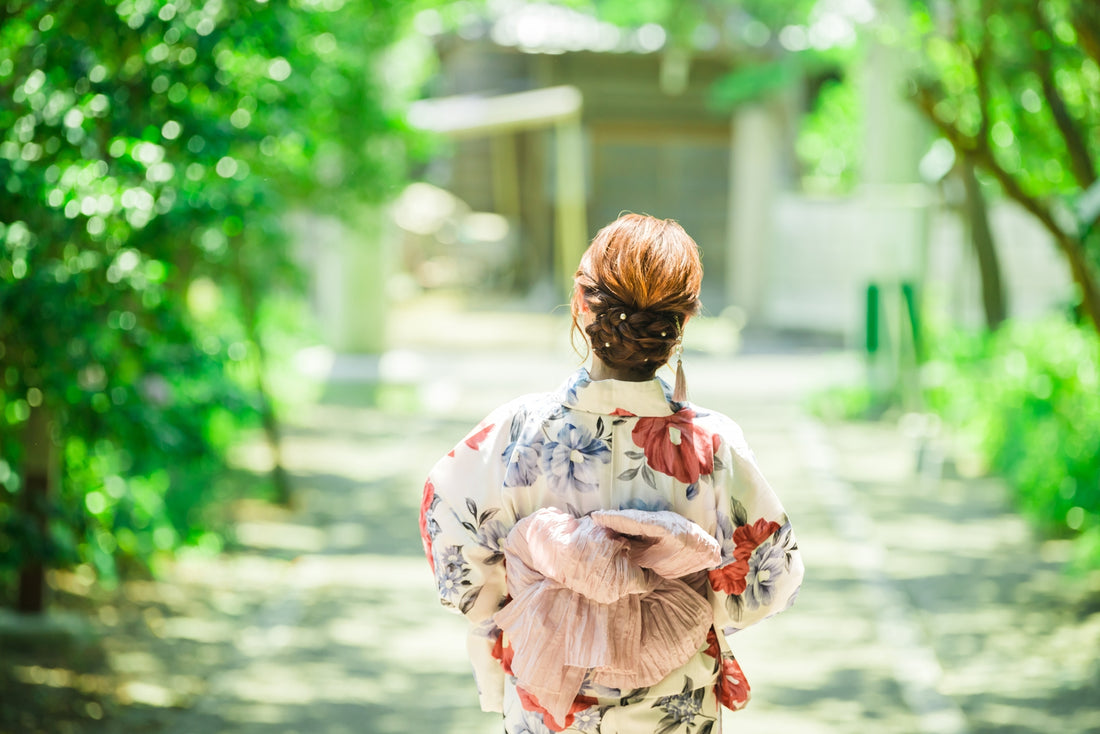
<point x="618" y="397"/>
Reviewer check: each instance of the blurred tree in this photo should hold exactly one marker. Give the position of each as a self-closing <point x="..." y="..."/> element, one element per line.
<point x="975" y="211"/>
<point x="1015" y="87"/>
<point x="148" y="152"/>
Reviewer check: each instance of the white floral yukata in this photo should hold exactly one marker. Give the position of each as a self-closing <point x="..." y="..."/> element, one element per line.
<point x="609" y="445"/>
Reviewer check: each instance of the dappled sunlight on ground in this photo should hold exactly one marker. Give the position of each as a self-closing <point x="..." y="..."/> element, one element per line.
<point x="322" y="617"/>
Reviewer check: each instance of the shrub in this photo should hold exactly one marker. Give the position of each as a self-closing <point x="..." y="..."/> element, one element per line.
<point x="1028" y="397"/>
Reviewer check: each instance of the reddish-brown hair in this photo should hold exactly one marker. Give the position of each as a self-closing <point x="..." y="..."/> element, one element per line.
<point x="640" y="278"/>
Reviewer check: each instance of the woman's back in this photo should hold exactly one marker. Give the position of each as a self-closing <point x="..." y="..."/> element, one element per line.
<point x="597" y="445"/>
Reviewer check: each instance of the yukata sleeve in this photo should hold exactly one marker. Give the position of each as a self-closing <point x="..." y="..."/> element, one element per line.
<point x="761" y="568"/>
<point x="462" y="525"/>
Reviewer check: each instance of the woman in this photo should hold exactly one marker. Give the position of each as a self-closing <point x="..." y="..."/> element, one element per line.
<point x="604" y="540"/>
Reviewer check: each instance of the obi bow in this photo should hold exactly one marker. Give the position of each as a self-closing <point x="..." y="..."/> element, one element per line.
<point x="602" y="596"/>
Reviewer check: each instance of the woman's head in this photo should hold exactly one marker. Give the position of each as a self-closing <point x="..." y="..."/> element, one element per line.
<point x="640" y="279"/>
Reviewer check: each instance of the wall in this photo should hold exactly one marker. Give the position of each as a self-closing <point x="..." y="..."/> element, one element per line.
<point x="824" y="253"/>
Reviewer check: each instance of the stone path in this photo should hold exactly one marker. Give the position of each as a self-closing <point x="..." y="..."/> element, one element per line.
<point x="928" y="605"/>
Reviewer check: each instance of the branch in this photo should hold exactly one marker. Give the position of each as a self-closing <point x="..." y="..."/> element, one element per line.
<point x="982" y="154"/>
<point x="1079" y="158"/>
<point x="981" y="56"/>
<point x="980" y="73"/>
<point x="1085" y="17"/>
<point x="981" y="237"/>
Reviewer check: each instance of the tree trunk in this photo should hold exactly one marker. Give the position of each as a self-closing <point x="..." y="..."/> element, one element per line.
<point x="1084" y="275"/>
<point x="274" y="438"/>
<point x="38" y="477"/>
<point x="267" y="409"/>
<point x="981" y="237"/>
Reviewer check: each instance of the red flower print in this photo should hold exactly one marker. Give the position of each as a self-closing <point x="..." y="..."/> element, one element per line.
<point x="503" y="653"/>
<point x="477" y="436"/>
<point x="731" y="578"/>
<point x="748" y="537"/>
<point x="474" y="438"/>
<point x="530" y="703"/>
<point x="676" y="446"/>
<point x="622" y="412"/>
<point x="712" y="644"/>
<point x="425" y="505"/>
<point x="732" y="688"/>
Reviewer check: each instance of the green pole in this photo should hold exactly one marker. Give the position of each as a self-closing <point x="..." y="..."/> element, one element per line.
<point x="909" y="293"/>
<point x="873" y="304"/>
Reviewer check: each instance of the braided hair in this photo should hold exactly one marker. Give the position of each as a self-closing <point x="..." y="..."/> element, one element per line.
<point x="640" y="278"/>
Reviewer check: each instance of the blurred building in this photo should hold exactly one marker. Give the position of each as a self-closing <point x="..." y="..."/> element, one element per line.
<point x="651" y="138"/>
<point x="558" y="122"/>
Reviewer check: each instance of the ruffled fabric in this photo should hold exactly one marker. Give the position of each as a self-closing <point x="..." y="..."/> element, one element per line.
<point x="602" y="595"/>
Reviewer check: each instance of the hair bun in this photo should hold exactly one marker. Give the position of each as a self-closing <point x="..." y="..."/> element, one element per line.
<point x="640" y="278"/>
<point x="633" y="340"/>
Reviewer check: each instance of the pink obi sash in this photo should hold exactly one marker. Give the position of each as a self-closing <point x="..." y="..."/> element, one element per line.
<point x="602" y="593"/>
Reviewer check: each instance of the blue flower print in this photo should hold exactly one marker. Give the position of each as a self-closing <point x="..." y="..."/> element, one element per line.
<point x="450" y="580"/>
<point x="595" y="690"/>
<point x="521" y="456"/>
<point x="485" y="629"/>
<point x="655" y="505"/>
<point x="784" y="538"/>
<point x="451" y="572"/>
<point x="572" y="461"/>
<point x="681" y="708"/>
<point x="451" y="555"/>
<point x="522" y="462"/>
<point x="766" y="565"/>
<point x="725" y="537"/>
<point x="532" y="724"/>
<point x="578" y="381"/>
<point x="587" y="720"/>
<point x="432" y="525"/>
<point x="491" y="535"/>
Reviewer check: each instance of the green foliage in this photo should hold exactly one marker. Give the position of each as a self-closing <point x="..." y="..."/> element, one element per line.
<point x="1028" y="396"/>
<point x="754" y="82"/>
<point x="992" y="68"/>
<point x="846" y="402"/>
<point x="830" y="139"/>
<point x="148" y="152"/>
<point x="1015" y="86"/>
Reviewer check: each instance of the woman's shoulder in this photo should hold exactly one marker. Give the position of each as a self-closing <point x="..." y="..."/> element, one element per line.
<point x="718" y="423"/>
<point x="525" y="407"/>
<point x="546" y="404"/>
